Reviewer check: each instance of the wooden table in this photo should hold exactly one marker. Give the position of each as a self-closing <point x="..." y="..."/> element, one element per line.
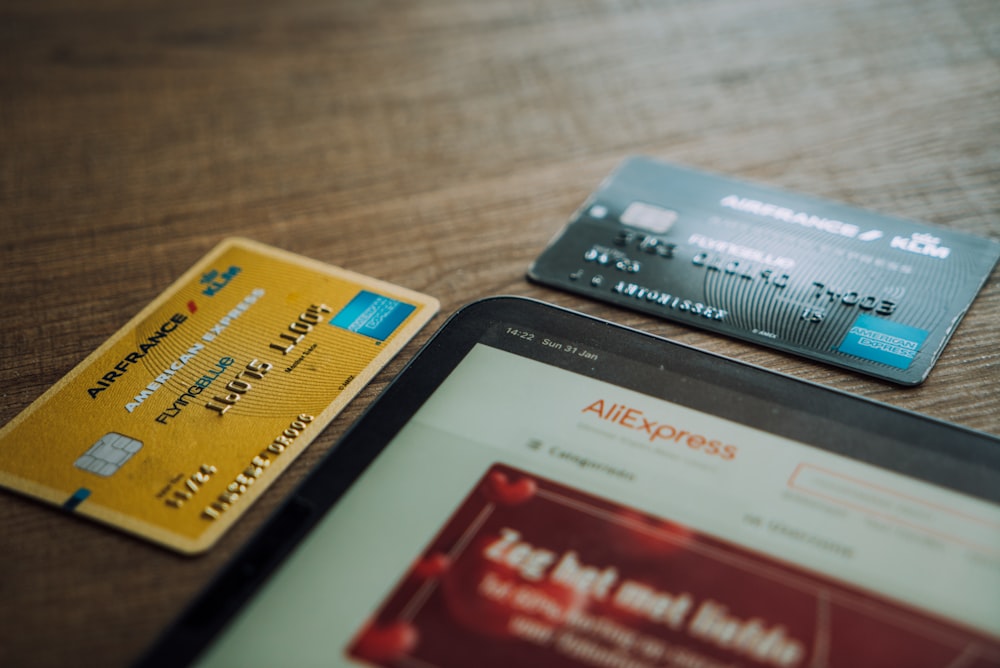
<point x="437" y="144"/>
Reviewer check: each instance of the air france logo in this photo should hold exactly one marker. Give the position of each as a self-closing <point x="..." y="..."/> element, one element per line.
<point x="808" y="220"/>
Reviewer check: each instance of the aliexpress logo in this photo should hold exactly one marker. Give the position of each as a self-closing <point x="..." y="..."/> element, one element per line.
<point x="634" y="418"/>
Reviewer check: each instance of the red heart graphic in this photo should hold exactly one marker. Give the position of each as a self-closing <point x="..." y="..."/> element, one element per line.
<point x="380" y="644"/>
<point x="500" y="489"/>
<point x="432" y="566"/>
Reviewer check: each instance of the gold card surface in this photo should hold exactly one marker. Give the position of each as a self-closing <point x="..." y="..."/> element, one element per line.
<point x="184" y="416"/>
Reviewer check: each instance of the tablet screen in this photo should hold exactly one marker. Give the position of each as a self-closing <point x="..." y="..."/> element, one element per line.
<point x="559" y="502"/>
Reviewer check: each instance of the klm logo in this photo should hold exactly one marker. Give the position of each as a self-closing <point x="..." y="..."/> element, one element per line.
<point x="921" y="244"/>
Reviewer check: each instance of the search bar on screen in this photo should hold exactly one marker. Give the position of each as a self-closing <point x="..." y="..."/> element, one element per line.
<point x="966" y="527"/>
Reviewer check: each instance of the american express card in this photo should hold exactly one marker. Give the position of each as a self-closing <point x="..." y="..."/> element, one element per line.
<point x="845" y="286"/>
<point x="185" y="415"/>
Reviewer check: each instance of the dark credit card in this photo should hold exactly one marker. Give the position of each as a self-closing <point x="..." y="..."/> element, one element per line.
<point x="830" y="282"/>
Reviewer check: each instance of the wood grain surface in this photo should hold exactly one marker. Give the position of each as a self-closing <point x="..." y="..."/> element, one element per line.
<point x="437" y="144"/>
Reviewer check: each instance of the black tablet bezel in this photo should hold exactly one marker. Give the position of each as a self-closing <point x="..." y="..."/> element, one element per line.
<point x="938" y="452"/>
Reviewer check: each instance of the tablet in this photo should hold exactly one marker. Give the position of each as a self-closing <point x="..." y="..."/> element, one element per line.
<point x="542" y="488"/>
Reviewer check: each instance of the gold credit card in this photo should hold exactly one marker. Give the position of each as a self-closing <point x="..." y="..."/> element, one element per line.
<point x="184" y="416"/>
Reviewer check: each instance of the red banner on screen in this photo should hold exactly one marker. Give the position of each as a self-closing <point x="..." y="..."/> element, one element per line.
<point x="530" y="572"/>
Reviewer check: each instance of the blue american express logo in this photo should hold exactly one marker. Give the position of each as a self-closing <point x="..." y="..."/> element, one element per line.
<point x="883" y="341"/>
<point x="372" y="315"/>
